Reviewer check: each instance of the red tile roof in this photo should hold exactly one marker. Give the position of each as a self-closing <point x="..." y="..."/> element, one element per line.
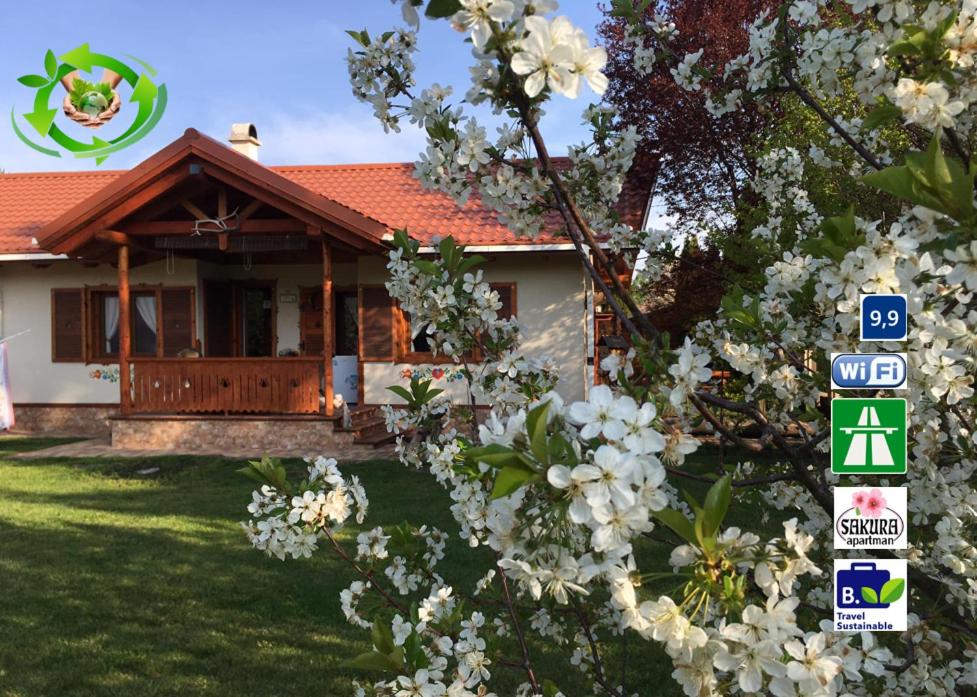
<point x="28" y="201"/>
<point x="387" y="193"/>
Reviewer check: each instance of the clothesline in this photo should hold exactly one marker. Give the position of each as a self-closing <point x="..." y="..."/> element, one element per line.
<point x="13" y="336"/>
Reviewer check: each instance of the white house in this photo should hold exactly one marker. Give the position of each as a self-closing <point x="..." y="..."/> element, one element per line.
<point x="229" y="272"/>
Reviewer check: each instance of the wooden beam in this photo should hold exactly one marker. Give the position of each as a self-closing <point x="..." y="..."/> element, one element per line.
<point x="352" y="239"/>
<point x="249" y="209"/>
<point x="194" y="210"/>
<point x="121" y="211"/>
<point x="221" y="202"/>
<point x="185" y="227"/>
<point x="327" y="324"/>
<point x="125" y="338"/>
<point x="115" y="237"/>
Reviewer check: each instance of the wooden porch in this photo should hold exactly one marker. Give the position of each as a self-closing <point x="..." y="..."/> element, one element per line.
<point x="197" y="199"/>
<point x="288" y="385"/>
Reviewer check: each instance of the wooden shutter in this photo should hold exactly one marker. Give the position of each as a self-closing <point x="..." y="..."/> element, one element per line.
<point x="177" y="320"/>
<point x="507" y="296"/>
<point x="376" y="324"/>
<point x="67" y="325"/>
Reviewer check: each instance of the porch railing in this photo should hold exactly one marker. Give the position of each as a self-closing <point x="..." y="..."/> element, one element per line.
<point x="226" y="385"/>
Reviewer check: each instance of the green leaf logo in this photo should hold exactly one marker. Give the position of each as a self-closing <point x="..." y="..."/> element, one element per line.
<point x="869" y="595"/>
<point x="50" y="64"/>
<point x="892" y="590"/>
<point x="33" y="80"/>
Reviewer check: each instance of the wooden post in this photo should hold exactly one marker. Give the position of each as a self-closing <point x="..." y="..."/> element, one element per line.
<point x="125" y="336"/>
<point x="327" y="323"/>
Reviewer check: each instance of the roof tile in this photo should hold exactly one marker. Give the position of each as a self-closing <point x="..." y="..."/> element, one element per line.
<point x="387" y="192"/>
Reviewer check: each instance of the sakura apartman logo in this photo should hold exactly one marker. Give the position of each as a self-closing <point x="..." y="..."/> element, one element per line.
<point x="870" y="518"/>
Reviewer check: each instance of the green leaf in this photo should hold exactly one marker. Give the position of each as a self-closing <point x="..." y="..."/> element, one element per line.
<point x="50" y="64"/>
<point x="937" y="169"/>
<point x="679" y="524"/>
<point x="706" y="540"/>
<point x="550" y="689"/>
<point x="510" y="479"/>
<point x="428" y="267"/>
<point x="734" y="310"/>
<point x="375" y="661"/>
<point x="450" y="252"/>
<point x="903" y="48"/>
<point x="717" y="504"/>
<point x="400" y="392"/>
<point x="360" y="37"/>
<point x="901" y="183"/>
<point x="383" y="638"/>
<point x="892" y="590"/>
<point x="469" y="263"/>
<point x="437" y="9"/>
<point x="33" y="80"/>
<point x="267" y="470"/>
<point x="498" y="456"/>
<point x="536" y="428"/>
<point x="881" y="116"/>
<point x="839" y="235"/>
<point x="869" y="595"/>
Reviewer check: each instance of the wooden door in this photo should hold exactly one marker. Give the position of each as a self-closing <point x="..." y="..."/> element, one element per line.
<point x="310" y="321"/>
<point x="219" y="319"/>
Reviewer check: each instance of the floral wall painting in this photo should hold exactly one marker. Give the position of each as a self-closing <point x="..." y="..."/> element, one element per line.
<point x="448" y="374"/>
<point x="106" y="373"/>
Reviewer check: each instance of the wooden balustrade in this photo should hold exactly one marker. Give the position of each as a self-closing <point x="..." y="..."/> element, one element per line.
<point x="226" y="385"/>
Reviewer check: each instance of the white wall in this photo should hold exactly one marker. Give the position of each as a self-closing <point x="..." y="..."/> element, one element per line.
<point x="550" y="301"/>
<point x="25" y="293"/>
<point x="550" y="307"/>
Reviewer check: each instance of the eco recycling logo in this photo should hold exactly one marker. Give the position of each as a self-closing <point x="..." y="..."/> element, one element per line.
<point x="89" y="104"/>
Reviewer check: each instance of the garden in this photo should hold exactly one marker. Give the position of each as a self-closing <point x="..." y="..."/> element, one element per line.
<point x="671" y="532"/>
<point x="120" y="583"/>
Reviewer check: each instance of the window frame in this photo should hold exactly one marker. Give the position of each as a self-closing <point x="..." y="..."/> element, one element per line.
<point x="405" y="348"/>
<point x="93" y="338"/>
<point x="405" y="352"/>
<point x="96" y="327"/>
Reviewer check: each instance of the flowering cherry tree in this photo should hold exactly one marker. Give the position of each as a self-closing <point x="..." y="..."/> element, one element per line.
<point x="568" y="497"/>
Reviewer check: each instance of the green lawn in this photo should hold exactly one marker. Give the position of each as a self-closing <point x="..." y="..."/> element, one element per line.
<point x="115" y="583"/>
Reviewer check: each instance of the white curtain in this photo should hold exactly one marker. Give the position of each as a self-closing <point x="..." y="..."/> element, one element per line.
<point x="146" y="307"/>
<point x="111" y="318"/>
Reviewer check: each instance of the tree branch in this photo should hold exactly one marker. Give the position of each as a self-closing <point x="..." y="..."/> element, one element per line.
<point x="527" y="664"/>
<point x="599" y="676"/>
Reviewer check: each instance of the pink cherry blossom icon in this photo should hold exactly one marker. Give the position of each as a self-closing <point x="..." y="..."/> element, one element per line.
<point x="874" y="504"/>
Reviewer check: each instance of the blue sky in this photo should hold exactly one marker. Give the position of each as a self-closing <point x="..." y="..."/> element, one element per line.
<point x="279" y="64"/>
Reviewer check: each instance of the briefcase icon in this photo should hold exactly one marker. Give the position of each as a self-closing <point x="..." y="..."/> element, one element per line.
<point x="848" y="593"/>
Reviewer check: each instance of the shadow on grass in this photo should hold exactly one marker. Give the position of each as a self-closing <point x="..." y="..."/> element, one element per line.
<point x="118" y="583"/>
<point x="18" y="443"/>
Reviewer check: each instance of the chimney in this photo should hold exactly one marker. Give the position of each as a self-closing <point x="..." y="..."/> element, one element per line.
<point x="244" y="139"/>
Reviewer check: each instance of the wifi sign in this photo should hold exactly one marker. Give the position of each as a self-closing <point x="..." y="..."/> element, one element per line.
<point x="859" y="371"/>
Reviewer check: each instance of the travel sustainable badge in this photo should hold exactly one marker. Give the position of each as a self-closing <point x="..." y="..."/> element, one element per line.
<point x="883" y="317"/>
<point x="871" y="595"/>
<point x="868" y="436"/>
<point x="872" y="371"/>
<point x="870" y="517"/>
